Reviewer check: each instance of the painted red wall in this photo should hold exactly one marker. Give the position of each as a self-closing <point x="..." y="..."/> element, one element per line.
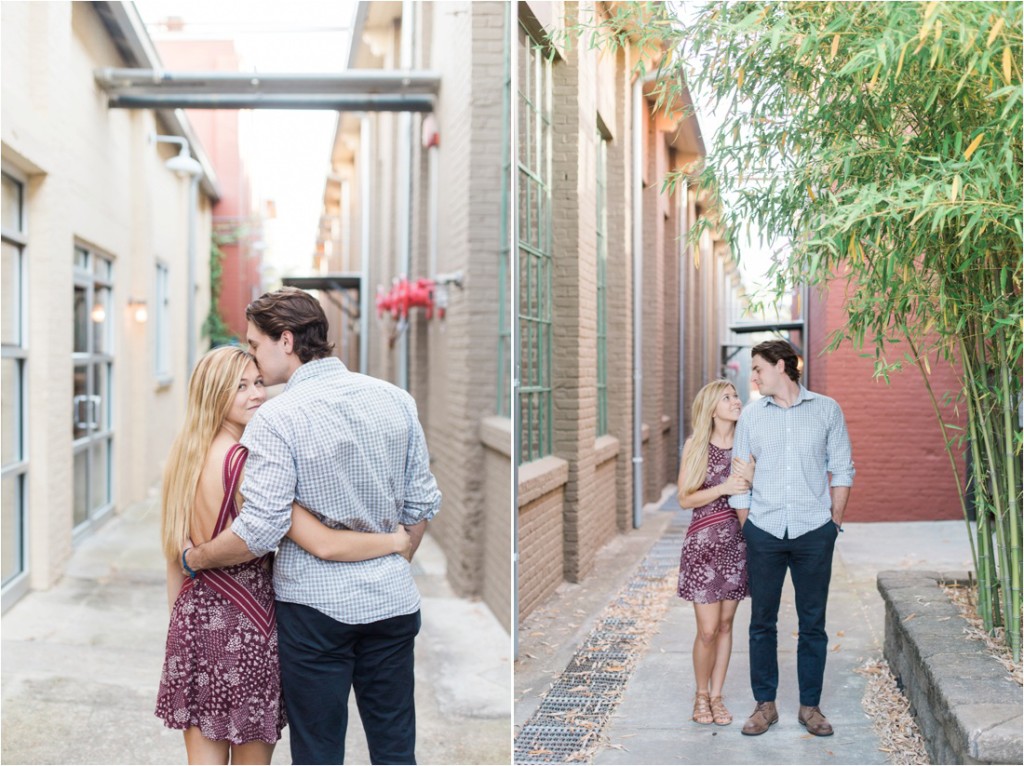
<point x="903" y="472"/>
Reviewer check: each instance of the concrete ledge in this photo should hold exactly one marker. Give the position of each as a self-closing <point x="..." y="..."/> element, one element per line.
<point x="605" y="448"/>
<point x="539" y="477"/>
<point x="968" y="708"/>
<point x="496" y="433"/>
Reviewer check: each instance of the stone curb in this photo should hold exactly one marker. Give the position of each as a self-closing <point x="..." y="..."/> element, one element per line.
<point x="968" y="709"/>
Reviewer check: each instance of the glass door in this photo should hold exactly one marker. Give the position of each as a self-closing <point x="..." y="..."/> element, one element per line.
<point x="93" y="360"/>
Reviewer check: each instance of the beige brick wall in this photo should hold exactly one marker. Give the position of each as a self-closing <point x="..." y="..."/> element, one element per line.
<point x="496" y="588"/>
<point x="91" y="177"/>
<point x="540" y="530"/>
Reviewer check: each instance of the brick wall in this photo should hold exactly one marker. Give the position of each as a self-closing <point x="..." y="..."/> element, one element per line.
<point x="540" y="530"/>
<point x="903" y="473"/>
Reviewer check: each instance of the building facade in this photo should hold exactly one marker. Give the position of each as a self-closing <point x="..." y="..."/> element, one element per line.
<point x="237" y="216"/>
<point x="418" y="196"/>
<point x="903" y="470"/>
<point x="95" y="282"/>
<point x="619" y="322"/>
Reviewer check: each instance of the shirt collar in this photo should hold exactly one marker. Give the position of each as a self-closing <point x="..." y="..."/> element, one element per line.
<point x="314" y="369"/>
<point x="803" y="396"/>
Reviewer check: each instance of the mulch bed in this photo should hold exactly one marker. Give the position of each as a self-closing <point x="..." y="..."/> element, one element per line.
<point x="889" y="710"/>
<point x="965" y="598"/>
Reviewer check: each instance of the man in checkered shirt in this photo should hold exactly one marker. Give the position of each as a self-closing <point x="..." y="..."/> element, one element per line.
<point x="349" y="448"/>
<point x="790" y="520"/>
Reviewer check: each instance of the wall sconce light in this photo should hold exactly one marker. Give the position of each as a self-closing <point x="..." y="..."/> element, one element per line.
<point x="98" y="313"/>
<point x="138" y="309"/>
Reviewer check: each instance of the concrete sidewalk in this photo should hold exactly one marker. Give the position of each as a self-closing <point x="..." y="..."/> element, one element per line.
<point x="650" y="724"/>
<point x="81" y="663"/>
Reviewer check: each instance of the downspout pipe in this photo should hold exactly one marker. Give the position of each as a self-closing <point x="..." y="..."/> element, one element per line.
<point x="193" y="202"/>
<point x="365" y="212"/>
<point x="638" y="303"/>
<point x="404" y="197"/>
<point x="684" y="227"/>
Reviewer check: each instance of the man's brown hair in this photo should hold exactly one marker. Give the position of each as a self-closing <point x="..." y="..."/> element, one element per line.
<point x="774" y="350"/>
<point x="298" y="312"/>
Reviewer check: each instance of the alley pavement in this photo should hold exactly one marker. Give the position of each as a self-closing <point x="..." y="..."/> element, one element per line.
<point x="639" y="713"/>
<point x="81" y="663"/>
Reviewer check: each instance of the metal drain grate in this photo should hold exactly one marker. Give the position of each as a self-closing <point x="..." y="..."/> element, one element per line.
<point x="572" y="716"/>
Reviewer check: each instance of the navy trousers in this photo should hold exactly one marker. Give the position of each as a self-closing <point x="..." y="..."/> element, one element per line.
<point x="323" y="659"/>
<point x="809" y="561"/>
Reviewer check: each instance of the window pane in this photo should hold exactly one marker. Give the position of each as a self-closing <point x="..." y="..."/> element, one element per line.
<point x="10" y="527"/>
<point x="10" y="204"/>
<point x="10" y="283"/>
<point x="80" y="403"/>
<point x="100" y="479"/>
<point x="101" y="266"/>
<point x="10" y="410"/>
<point x="81" y="486"/>
<point x="100" y="411"/>
<point x="81" y="311"/>
<point x="102" y="306"/>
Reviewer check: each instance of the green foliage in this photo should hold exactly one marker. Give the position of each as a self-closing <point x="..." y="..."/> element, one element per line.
<point x="880" y="144"/>
<point x="215" y="327"/>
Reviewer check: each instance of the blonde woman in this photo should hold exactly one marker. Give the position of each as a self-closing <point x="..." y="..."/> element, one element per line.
<point x="221" y="682"/>
<point x="713" y="568"/>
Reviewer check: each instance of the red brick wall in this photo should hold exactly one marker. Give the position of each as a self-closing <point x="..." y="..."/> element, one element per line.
<point x="903" y="473"/>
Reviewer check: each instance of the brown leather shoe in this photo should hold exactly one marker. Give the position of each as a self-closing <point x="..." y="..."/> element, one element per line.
<point x="761" y="719"/>
<point x="814" y="721"/>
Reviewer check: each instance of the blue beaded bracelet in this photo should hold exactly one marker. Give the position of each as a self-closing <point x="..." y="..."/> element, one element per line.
<point x="184" y="564"/>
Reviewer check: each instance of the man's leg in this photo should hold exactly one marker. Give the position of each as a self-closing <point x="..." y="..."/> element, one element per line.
<point x="384" y="685"/>
<point x="767" y="559"/>
<point x="317" y="660"/>
<point x="811" y="567"/>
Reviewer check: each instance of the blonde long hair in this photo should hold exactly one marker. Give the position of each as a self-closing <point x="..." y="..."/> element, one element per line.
<point x="211" y="390"/>
<point x="695" y="465"/>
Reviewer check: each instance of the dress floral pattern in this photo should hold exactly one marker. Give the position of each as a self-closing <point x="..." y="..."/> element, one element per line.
<point x="221" y="670"/>
<point x="713" y="565"/>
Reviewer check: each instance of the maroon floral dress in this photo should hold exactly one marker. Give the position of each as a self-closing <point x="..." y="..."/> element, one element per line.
<point x="221" y="669"/>
<point x="713" y="566"/>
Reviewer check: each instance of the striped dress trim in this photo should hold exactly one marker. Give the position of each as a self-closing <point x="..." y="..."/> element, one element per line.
<point x="220" y="580"/>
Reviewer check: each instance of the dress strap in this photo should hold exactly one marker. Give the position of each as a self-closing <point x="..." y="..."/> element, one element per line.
<point x="234" y="462"/>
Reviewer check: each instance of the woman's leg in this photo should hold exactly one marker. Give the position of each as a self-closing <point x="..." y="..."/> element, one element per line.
<point x="708" y="617"/>
<point x="254" y="752"/>
<point x="723" y="647"/>
<point x="203" y="750"/>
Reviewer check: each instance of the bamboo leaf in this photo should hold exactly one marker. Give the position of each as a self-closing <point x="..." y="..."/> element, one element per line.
<point x="1007" y="64"/>
<point x="973" y="146"/>
<point x="994" y="33"/>
<point x="835" y="47"/>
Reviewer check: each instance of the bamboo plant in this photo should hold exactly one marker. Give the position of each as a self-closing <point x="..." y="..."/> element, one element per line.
<point x="879" y="144"/>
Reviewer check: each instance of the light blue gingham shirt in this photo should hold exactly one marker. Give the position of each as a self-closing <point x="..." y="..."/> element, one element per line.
<point x="349" y="448"/>
<point x="796" y="448"/>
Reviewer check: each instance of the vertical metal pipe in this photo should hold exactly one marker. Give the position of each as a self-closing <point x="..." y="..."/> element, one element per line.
<point x="365" y="211"/>
<point x="683" y="190"/>
<point x="193" y="202"/>
<point x="638" y="305"/>
<point x="404" y="196"/>
<point x="511" y="233"/>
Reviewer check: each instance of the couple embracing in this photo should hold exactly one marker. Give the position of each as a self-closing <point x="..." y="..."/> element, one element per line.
<point x="333" y="474"/>
<point x="769" y="488"/>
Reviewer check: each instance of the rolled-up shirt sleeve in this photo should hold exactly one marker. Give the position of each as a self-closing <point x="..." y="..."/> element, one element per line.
<point x="741" y="449"/>
<point x="268" y="488"/>
<point x="839" y="457"/>
<point x="422" y="498"/>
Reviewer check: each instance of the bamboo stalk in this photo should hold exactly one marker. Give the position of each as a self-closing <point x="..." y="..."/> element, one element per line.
<point x="983" y="563"/>
<point x="1013" y="577"/>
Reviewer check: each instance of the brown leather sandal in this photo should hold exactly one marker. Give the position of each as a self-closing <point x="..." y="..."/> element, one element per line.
<point x="719" y="712"/>
<point x="702" y="713"/>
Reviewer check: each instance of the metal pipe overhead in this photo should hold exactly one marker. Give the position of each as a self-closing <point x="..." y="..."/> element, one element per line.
<point x="153" y="81"/>
<point x="335" y="102"/>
